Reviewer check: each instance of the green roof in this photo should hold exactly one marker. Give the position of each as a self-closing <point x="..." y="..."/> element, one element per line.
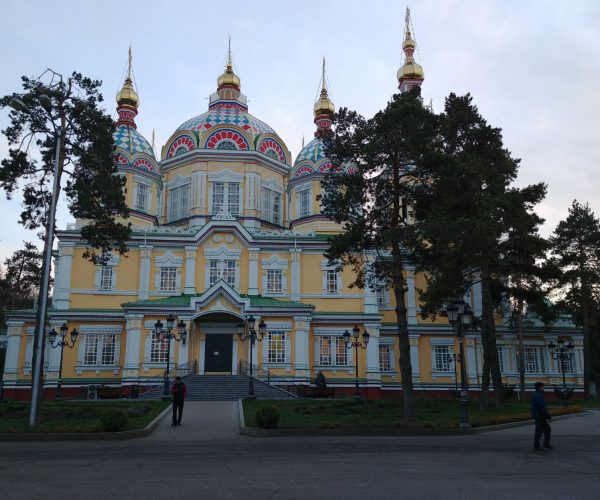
<point x="184" y="300"/>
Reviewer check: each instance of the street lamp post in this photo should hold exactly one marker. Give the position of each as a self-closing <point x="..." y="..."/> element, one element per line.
<point x="455" y="359"/>
<point x="561" y="351"/>
<point x="253" y="335"/>
<point x="355" y="343"/>
<point x="460" y="317"/>
<point x="42" y="307"/>
<point x="62" y="343"/>
<point x="168" y="336"/>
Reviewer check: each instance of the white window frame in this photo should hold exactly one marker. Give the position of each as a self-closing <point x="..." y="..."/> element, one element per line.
<point x="223" y="256"/>
<point x="442" y="349"/>
<point x="168" y="279"/>
<point x="274" y="263"/>
<point x="143" y="192"/>
<point x="167" y="260"/>
<point x="112" y="263"/>
<point x="304" y="202"/>
<point x="179" y="198"/>
<point x="106" y="278"/>
<point x="383" y="297"/>
<point x="94" y="350"/>
<point x="271" y="204"/>
<point x="276" y="347"/>
<point x="327" y="276"/>
<point x="535" y="360"/>
<point x="338" y="351"/>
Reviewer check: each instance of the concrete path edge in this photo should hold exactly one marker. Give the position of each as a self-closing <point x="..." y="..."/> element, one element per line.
<point x="88" y="436"/>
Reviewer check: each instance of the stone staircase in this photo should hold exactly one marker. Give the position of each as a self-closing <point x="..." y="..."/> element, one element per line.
<point x="222" y="388"/>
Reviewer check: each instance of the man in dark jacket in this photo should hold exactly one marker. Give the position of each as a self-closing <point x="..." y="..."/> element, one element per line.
<point x="539" y="412"/>
<point x="179" y="391"/>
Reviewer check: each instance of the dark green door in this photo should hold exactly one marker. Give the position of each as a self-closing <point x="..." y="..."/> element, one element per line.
<point x="218" y="353"/>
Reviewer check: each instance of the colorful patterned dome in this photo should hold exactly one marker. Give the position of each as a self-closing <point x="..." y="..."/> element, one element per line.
<point x="311" y="160"/>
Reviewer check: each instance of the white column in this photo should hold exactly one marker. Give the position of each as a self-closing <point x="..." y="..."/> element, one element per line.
<point x="201" y="353"/>
<point x="62" y="284"/>
<point x="471" y="363"/>
<point x="13" y="349"/>
<point x="133" y="342"/>
<point x="190" y="270"/>
<point x="414" y="358"/>
<point x="411" y="295"/>
<point x="296" y="273"/>
<point x="235" y="355"/>
<point x="253" y="271"/>
<point x="477" y="307"/>
<point x="301" y="348"/>
<point x="373" y="352"/>
<point x="145" y="254"/>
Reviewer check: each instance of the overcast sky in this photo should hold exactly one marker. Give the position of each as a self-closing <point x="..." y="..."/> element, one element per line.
<point x="533" y="68"/>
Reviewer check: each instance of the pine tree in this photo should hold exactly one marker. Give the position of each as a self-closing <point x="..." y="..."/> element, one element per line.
<point x="378" y="163"/>
<point x="476" y="225"/>
<point x="575" y="248"/>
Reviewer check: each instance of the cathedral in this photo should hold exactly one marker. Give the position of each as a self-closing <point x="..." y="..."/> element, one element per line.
<point x="228" y="234"/>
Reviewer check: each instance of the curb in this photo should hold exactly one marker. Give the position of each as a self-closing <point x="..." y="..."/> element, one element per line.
<point x="371" y="431"/>
<point x="88" y="436"/>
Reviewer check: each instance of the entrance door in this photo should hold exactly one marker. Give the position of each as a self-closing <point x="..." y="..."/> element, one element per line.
<point x="218" y="353"/>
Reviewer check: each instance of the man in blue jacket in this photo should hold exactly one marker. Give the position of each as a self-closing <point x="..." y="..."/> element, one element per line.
<point x="539" y="412"/>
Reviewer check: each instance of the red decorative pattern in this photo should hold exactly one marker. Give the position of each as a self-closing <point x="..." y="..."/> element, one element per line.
<point x="226" y="135"/>
<point x="142" y="163"/>
<point x="304" y="170"/>
<point x="122" y="160"/>
<point x="351" y="170"/>
<point x="271" y="145"/>
<point x="180" y="143"/>
<point x="326" y="167"/>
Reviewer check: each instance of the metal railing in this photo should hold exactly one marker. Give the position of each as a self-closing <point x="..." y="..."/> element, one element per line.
<point x="156" y="381"/>
<point x="263" y="375"/>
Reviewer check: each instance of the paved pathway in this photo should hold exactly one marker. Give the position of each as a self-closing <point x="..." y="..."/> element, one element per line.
<point x="202" y="420"/>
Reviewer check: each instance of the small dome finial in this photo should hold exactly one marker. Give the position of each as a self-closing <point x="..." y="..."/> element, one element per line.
<point x="411" y="73"/>
<point x="324" y="107"/>
<point x="127" y="98"/>
<point x="228" y="78"/>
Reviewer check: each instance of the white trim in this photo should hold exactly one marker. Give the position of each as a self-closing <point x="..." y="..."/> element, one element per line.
<point x="225" y="175"/>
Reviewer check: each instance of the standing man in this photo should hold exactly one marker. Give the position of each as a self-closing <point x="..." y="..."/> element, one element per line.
<point x="539" y="412"/>
<point x="179" y="391"/>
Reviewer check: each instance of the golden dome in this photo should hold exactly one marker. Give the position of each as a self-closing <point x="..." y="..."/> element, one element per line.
<point x="128" y="95"/>
<point x="228" y="78"/>
<point x="324" y="106"/>
<point x="409" y="43"/>
<point x="410" y="69"/>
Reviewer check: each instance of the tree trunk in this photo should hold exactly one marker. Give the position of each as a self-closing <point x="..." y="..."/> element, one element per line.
<point x="408" y="396"/>
<point x="488" y="338"/>
<point x="521" y="362"/>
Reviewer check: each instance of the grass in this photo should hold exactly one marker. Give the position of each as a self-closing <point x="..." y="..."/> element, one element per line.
<point x="75" y="416"/>
<point x="386" y="413"/>
<point x="590" y="403"/>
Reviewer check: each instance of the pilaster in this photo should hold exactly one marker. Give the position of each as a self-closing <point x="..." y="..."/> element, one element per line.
<point x="301" y="348"/>
<point x="296" y="273"/>
<point x="372" y="372"/>
<point x="145" y="255"/>
<point x="253" y="271"/>
<point x="411" y="295"/>
<point x="133" y="342"/>
<point x="190" y="270"/>
<point x="63" y="275"/>
<point x="13" y="349"/>
<point x="414" y="357"/>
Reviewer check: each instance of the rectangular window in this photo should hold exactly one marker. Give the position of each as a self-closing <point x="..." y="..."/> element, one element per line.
<point x="271" y="206"/>
<point x="533" y="357"/>
<point x="233" y="198"/>
<point x="385" y="357"/>
<point x="568" y="363"/>
<point x="108" y="350"/>
<point x="443" y="358"/>
<point x="106" y="278"/>
<point x="382" y="297"/>
<point x="222" y="269"/>
<point x="158" y="350"/>
<point x="179" y="202"/>
<point x="168" y="279"/>
<point x="218" y="197"/>
<point x="304" y="202"/>
<point x="325" y="351"/>
<point x="276" y="347"/>
<point x="332" y="282"/>
<point x="341" y="352"/>
<point x="274" y="281"/>
<point x="100" y="350"/>
<point x="141" y="198"/>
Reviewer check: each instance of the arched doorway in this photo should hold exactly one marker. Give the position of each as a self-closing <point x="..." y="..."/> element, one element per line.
<point x="218" y="347"/>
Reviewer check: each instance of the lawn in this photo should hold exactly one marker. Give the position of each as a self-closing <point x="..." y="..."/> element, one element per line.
<point x="385" y="413"/>
<point x="75" y="416"/>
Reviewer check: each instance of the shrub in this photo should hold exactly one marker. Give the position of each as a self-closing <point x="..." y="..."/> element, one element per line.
<point x="138" y="411"/>
<point x="114" y="420"/>
<point x="320" y="381"/>
<point x="267" y="417"/>
<point x="509" y="392"/>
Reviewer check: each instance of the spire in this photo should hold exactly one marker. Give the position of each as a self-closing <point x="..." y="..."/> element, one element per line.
<point x="127" y="98"/>
<point x="324" y="108"/>
<point x="228" y="79"/>
<point x="410" y="74"/>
